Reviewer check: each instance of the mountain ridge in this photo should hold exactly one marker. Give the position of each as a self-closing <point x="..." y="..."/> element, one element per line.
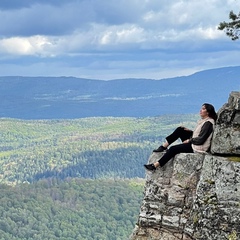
<point x="71" y="97"/>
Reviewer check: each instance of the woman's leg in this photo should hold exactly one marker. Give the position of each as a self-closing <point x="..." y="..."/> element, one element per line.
<point x="174" y="150"/>
<point x="170" y="153"/>
<point x="179" y="132"/>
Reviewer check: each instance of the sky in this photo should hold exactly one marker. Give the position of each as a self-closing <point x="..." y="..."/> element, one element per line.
<point x="115" y="39"/>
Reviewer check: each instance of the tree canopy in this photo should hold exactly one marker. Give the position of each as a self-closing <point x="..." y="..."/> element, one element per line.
<point x="232" y="28"/>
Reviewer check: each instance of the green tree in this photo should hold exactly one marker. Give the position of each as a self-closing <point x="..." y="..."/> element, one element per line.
<point x="232" y="28"/>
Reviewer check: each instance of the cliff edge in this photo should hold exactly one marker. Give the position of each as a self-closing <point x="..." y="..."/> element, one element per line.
<point x="196" y="196"/>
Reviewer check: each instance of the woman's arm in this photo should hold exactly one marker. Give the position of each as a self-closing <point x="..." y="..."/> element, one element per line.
<point x="205" y="132"/>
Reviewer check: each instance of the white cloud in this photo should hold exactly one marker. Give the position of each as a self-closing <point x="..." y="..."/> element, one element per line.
<point x="121" y="35"/>
<point x="95" y="37"/>
<point x="36" y="45"/>
<point x="209" y="33"/>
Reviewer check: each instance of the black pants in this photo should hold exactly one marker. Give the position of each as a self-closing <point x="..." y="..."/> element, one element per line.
<point x="183" y="134"/>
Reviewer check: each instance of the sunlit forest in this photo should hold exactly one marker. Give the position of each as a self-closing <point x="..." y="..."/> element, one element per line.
<point x="76" y="179"/>
<point x="86" y="148"/>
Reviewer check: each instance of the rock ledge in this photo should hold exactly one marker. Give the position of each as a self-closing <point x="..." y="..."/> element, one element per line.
<point x="196" y="196"/>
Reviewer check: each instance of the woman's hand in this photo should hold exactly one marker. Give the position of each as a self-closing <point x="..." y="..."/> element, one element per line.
<point x="186" y="129"/>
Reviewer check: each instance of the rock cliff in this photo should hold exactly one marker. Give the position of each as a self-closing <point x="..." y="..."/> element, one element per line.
<point x="196" y="196"/>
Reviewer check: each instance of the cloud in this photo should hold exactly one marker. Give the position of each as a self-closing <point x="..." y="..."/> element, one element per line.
<point x="36" y="45"/>
<point x="114" y="38"/>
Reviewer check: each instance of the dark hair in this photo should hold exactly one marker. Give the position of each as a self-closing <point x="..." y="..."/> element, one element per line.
<point x="211" y="111"/>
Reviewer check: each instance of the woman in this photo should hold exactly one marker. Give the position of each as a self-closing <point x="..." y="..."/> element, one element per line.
<point x="198" y="140"/>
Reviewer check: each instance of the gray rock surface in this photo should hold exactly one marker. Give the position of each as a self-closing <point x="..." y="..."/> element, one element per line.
<point x="196" y="196"/>
<point x="226" y="138"/>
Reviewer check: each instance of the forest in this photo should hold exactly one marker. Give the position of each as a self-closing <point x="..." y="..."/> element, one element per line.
<point x="87" y="148"/>
<point x="76" y="179"/>
<point x="74" y="209"/>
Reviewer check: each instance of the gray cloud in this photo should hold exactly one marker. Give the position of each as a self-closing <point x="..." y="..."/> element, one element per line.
<point x="16" y="4"/>
<point x="26" y="18"/>
<point x="113" y="38"/>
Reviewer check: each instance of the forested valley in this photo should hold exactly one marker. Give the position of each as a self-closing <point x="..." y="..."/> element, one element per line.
<point x="74" y="209"/>
<point x="76" y="179"/>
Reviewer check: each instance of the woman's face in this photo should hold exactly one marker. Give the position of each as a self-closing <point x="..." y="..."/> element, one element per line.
<point x="203" y="112"/>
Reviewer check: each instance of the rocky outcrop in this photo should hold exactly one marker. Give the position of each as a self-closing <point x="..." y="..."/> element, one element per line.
<point x="226" y="139"/>
<point x="196" y="196"/>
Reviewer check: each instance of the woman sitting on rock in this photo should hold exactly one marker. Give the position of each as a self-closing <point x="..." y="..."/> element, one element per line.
<point x="198" y="140"/>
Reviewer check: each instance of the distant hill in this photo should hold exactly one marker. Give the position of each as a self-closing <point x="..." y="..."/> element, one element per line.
<point x="69" y="97"/>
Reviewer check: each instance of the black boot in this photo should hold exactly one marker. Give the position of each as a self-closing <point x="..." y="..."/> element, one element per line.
<point x="150" y="167"/>
<point x="160" y="149"/>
